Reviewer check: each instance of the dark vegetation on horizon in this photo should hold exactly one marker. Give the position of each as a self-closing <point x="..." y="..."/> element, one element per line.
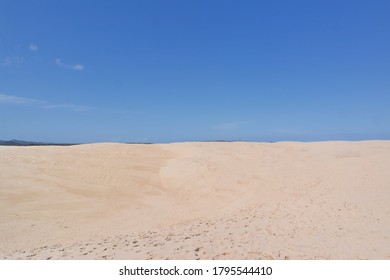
<point x="14" y="142"/>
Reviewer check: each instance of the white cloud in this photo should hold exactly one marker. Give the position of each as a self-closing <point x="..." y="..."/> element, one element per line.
<point x="71" y="107"/>
<point x="16" y="100"/>
<point x="12" y="61"/>
<point x="33" y="47"/>
<point x="78" y="67"/>
<point x="10" y="99"/>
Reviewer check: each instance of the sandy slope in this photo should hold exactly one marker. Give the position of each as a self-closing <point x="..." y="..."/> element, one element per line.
<point x="286" y="200"/>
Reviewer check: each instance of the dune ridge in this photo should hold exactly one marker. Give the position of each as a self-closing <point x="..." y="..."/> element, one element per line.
<point x="198" y="200"/>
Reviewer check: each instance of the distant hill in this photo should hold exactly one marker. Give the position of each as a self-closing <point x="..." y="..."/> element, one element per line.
<point x="15" y="142"/>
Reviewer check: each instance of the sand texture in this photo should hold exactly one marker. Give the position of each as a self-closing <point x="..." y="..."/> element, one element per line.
<point x="287" y="200"/>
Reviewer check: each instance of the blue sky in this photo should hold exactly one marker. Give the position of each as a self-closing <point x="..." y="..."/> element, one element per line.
<point x="161" y="71"/>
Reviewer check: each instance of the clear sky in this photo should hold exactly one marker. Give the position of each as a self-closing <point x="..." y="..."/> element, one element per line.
<point x="161" y="71"/>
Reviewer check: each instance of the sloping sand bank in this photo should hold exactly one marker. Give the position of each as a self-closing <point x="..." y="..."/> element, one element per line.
<point x="287" y="200"/>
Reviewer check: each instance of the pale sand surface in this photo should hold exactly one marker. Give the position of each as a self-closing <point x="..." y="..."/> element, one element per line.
<point x="287" y="200"/>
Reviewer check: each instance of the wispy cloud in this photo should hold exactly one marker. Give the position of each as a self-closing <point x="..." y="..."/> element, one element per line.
<point x="17" y="100"/>
<point x="78" y="67"/>
<point x="10" y="99"/>
<point x="33" y="47"/>
<point x="229" y="125"/>
<point x="71" y="107"/>
<point x="12" y="61"/>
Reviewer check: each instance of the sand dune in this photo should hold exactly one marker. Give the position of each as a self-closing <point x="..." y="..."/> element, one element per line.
<point x="287" y="200"/>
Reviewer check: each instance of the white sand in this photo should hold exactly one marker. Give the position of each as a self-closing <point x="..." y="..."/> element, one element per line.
<point x="325" y="200"/>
